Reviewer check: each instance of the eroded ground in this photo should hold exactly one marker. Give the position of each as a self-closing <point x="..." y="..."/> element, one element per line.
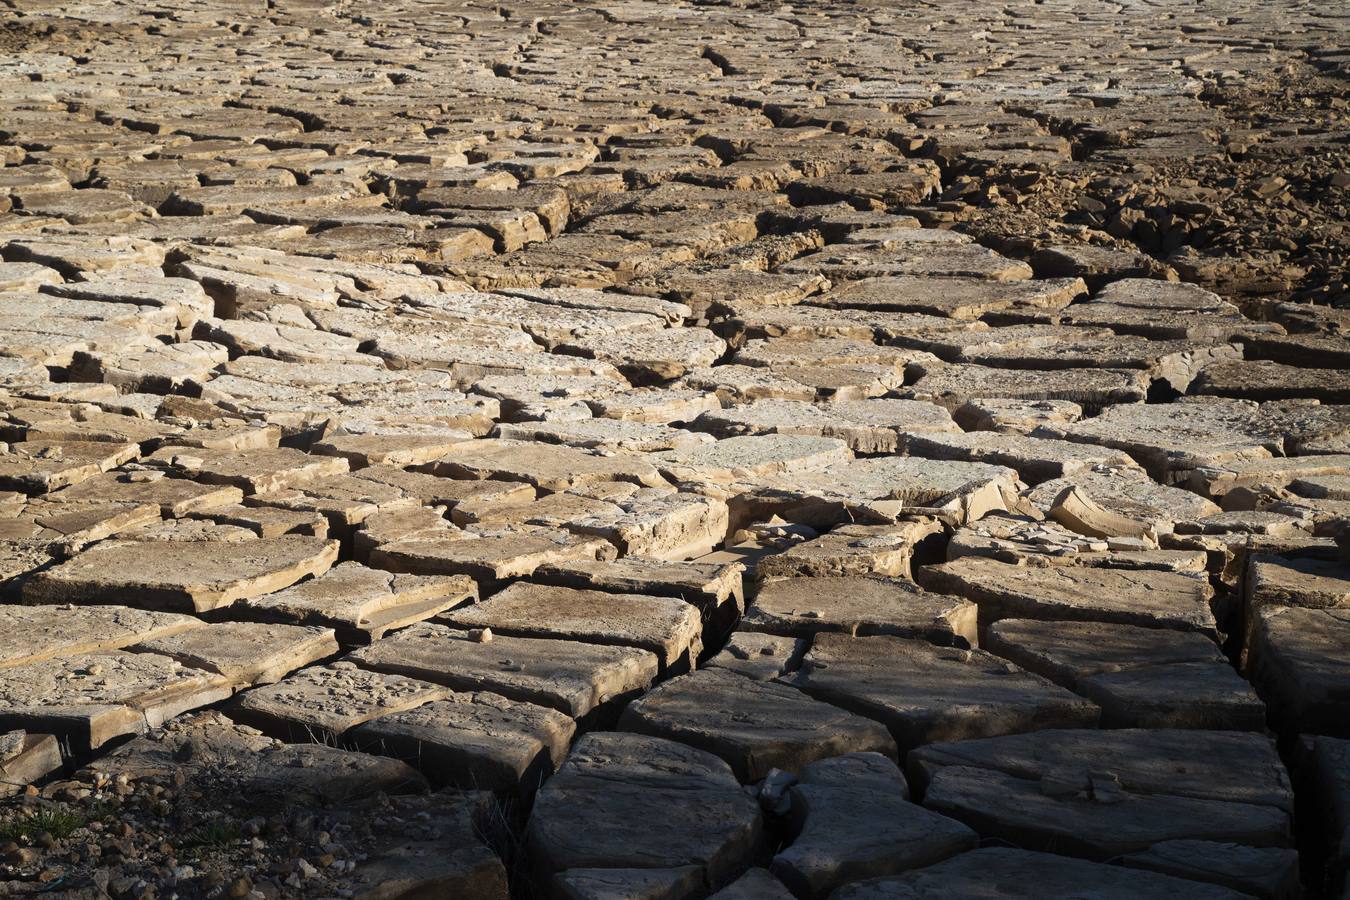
<point x="649" y="451"/>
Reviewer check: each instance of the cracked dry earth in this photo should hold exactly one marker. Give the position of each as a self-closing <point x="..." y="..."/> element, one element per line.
<point x="649" y="451"/>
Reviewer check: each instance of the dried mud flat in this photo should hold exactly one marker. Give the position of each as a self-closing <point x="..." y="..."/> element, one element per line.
<point x="649" y="451"/>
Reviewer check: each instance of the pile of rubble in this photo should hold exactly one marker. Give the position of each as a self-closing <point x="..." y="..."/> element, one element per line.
<point x="635" y="451"/>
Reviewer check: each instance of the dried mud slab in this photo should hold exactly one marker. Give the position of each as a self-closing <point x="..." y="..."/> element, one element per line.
<point x="755" y="726"/>
<point x="674" y="415"/>
<point x="925" y="693"/>
<point x="473" y="740"/>
<point x="856" y="605"/>
<point x="324" y="702"/>
<point x="1258" y="871"/>
<point x="1140" y="677"/>
<point x="694" y="811"/>
<point x="1061" y="593"/>
<point x="362" y="604"/>
<point x="36" y="633"/>
<point x="668" y="627"/>
<point x="1011" y="874"/>
<point x="26" y="759"/>
<point x="208" y="746"/>
<point x="491" y="559"/>
<point x="574" y="677"/>
<point x="1297" y="662"/>
<point x="1166" y="762"/>
<point x="852" y="820"/>
<point x="705" y="585"/>
<point x="40" y="467"/>
<point x="94" y="697"/>
<point x="762" y="657"/>
<point x="429" y="843"/>
<point x="755" y="884"/>
<point x="245" y="652"/>
<point x="884" y="550"/>
<point x="182" y="575"/>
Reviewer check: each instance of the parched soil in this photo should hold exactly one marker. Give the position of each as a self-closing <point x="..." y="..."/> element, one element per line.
<point x="664" y="451"/>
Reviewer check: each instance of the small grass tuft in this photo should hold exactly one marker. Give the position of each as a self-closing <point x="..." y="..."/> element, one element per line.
<point x="218" y="833"/>
<point x="58" y="821"/>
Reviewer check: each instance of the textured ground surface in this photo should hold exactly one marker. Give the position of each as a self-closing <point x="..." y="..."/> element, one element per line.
<point x="648" y="451"/>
